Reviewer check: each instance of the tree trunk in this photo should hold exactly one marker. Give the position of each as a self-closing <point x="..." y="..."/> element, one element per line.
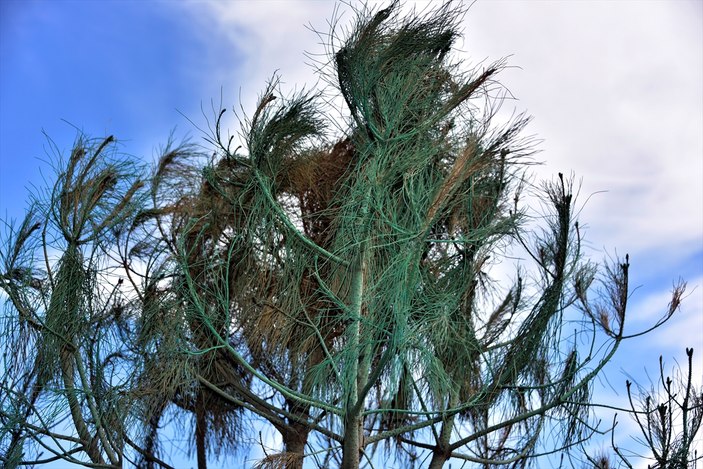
<point x="439" y="457"/>
<point x="351" y="450"/>
<point x="294" y="444"/>
<point x="200" y="433"/>
<point x="152" y="438"/>
<point x="442" y="451"/>
<point x="353" y="417"/>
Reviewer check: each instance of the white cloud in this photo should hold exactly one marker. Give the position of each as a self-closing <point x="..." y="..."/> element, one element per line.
<point x="615" y="91"/>
<point x="271" y="36"/>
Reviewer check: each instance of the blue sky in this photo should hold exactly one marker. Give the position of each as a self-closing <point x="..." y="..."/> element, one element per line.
<point x="616" y="91"/>
<point x="109" y="67"/>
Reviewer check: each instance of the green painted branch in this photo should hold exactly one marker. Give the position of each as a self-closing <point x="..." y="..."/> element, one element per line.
<point x="107" y="444"/>
<point x="238" y="357"/>
<point x="556" y="402"/>
<point x="75" y="409"/>
<point x="420" y="425"/>
<point x="291" y="227"/>
<point x="373" y="376"/>
<point x="325" y="350"/>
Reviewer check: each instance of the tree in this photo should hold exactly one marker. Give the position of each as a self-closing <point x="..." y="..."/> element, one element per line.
<point x="63" y="326"/>
<point x="669" y="419"/>
<point x="340" y="292"/>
